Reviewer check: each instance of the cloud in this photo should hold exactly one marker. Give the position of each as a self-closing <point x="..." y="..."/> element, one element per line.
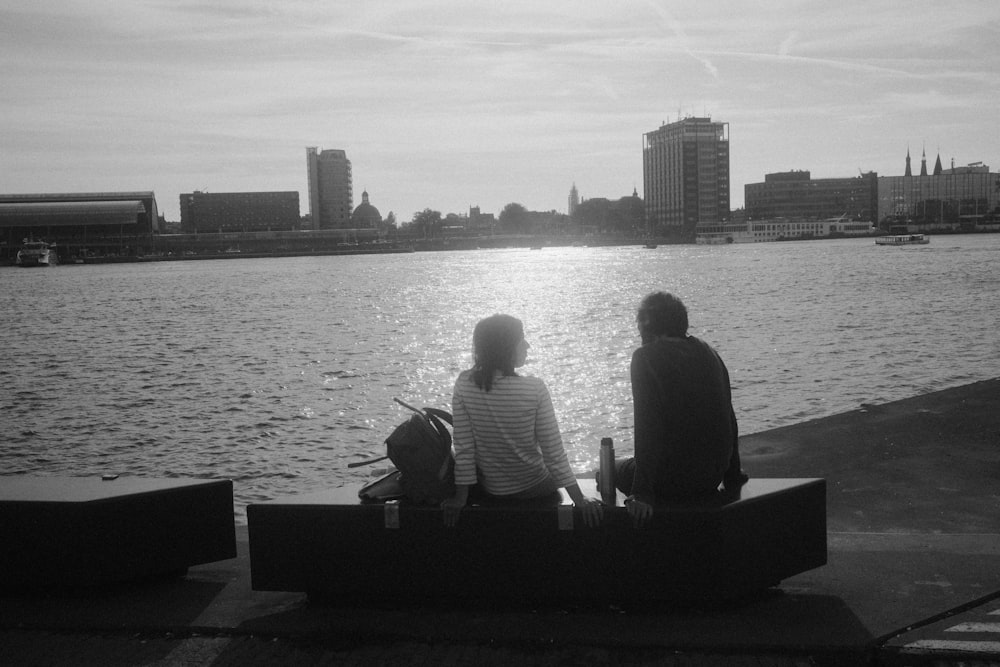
<point x="528" y="92"/>
<point x="785" y="48"/>
<point x="678" y="31"/>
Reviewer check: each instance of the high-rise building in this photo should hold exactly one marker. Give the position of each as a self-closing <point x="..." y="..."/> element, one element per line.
<point x="331" y="198"/>
<point x="685" y="171"/>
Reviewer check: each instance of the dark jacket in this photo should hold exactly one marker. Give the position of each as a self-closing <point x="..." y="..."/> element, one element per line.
<point x="685" y="427"/>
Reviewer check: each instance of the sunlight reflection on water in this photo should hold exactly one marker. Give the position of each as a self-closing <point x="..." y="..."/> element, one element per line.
<point x="277" y="372"/>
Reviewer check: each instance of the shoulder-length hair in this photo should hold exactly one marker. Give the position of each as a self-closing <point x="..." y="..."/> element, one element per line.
<point x="494" y="345"/>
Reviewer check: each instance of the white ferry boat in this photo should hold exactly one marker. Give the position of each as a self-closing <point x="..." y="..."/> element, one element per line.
<point x="35" y="253"/>
<point x="902" y="239"/>
<point x="778" y="229"/>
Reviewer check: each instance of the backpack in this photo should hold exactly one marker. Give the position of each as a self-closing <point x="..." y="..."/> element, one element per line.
<point x="420" y="448"/>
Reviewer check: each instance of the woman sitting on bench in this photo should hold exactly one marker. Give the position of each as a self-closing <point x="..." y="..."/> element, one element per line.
<point x="505" y="431"/>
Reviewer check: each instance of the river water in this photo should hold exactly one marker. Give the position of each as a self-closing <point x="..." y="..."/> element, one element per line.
<point x="276" y="373"/>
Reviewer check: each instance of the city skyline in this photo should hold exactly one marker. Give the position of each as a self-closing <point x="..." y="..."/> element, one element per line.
<point x="443" y="106"/>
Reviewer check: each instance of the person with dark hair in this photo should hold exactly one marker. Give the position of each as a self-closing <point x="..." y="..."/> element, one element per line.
<point x="686" y="435"/>
<point x="506" y="437"/>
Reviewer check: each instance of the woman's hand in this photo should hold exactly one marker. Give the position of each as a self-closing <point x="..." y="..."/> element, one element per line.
<point x="640" y="512"/>
<point x="593" y="511"/>
<point x="592" y="508"/>
<point x="453" y="506"/>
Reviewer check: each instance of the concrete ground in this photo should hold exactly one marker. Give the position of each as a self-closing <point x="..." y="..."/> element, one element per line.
<point x="913" y="578"/>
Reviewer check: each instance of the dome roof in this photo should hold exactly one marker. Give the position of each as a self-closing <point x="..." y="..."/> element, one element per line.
<point x="366" y="215"/>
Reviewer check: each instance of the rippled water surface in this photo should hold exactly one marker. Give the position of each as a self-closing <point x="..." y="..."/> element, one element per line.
<point x="278" y="372"/>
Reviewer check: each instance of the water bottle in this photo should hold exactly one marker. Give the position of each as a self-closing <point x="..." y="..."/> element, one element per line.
<point x="606" y="487"/>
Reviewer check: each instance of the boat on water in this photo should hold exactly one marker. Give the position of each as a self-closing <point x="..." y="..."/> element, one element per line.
<point x="766" y="230"/>
<point x="35" y="253"/>
<point x="902" y="239"/>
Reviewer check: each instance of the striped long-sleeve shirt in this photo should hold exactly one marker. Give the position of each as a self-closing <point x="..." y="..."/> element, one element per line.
<point x="510" y="433"/>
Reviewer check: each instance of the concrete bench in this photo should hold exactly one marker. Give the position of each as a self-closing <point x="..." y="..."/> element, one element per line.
<point x="330" y="545"/>
<point x="82" y="531"/>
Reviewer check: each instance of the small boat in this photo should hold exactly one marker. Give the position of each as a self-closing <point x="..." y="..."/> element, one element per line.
<point x="35" y="253"/>
<point x="902" y="239"/>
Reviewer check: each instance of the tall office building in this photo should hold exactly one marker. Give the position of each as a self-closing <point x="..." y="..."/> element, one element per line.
<point x="685" y="171"/>
<point x="331" y="199"/>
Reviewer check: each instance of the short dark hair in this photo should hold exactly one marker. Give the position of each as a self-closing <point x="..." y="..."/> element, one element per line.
<point x="661" y="314"/>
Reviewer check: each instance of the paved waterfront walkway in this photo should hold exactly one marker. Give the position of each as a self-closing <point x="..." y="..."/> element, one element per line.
<point x="913" y="579"/>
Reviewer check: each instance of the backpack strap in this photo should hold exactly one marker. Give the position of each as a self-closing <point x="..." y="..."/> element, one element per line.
<point x="435" y="417"/>
<point x="357" y="464"/>
<point x="440" y="414"/>
<point x="407" y="405"/>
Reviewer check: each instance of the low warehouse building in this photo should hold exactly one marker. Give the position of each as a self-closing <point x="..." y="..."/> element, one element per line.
<point x="106" y="224"/>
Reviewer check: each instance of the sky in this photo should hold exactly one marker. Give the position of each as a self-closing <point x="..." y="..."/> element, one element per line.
<point x="447" y="104"/>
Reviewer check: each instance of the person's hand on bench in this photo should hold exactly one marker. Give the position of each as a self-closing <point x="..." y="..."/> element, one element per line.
<point x="640" y="512"/>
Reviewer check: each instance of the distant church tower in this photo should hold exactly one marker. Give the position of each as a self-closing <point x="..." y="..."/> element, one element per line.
<point x="937" y="165"/>
<point x="909" y="172"/>
<point x="923" y="163"/>
<point x="574" y="200"/>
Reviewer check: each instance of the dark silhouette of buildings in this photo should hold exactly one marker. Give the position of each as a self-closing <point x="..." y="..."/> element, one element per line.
<point x="239" y="212"/>
<point x="794" y="194"/>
